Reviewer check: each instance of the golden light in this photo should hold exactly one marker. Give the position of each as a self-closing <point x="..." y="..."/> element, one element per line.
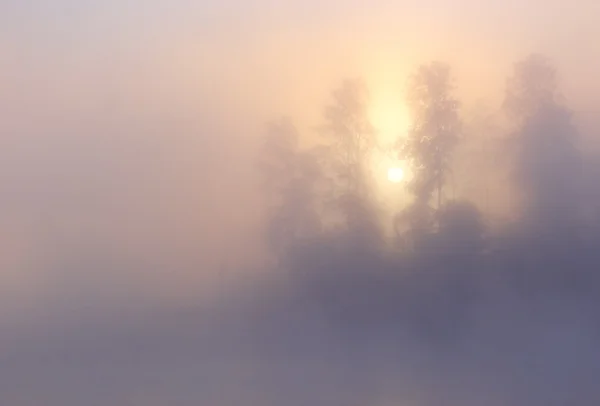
<point x="395" y="174"/>
<point x="390" y="120"/>
<point x="389" y="115"/>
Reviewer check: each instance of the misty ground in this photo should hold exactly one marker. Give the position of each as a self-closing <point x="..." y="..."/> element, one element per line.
<point x="395" y="342"/>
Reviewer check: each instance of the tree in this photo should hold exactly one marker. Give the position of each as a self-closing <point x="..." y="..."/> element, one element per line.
<point x="548" y="161"/>
<point x="351" y="138"/>
<point x="428" y="146"/>
<point x="532" y="87"/>
<point x="351" y="133"/>
<point x="290" y="178"/>
<point x="548" y="172"/>
<point x="434" y="131"/>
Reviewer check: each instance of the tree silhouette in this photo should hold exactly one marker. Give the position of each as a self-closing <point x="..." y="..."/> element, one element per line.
<point x="428" y="147"/>
<point x="532" y="87"/>
<point x="548" y="161"/>
<point x="290" y="178"/>
<point x="351" y="137"/>
<point x="434" y="130"/>
<point x="548" y="172"/>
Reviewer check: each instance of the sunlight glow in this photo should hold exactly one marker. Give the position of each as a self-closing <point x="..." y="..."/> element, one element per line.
<point x="395" y="174"/>
<point x="390" y="117"/>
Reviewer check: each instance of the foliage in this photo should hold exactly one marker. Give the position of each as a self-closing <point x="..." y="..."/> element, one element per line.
<point x="548" y="166"/>
<point x="434" y="131"/>
<point x="307" y="188"/>
<point x="351" y="137"/>
<point x="532" y="87"/>
<point x="291" y="177"/>
<point x="350" y="134"/>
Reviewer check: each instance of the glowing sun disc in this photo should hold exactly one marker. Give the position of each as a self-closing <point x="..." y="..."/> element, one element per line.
<point x="395" y="175"/>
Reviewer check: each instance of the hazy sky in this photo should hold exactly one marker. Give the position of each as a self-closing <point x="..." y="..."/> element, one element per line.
<point x="183" y="51"/>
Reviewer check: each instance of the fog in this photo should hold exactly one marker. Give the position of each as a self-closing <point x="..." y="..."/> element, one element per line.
<point x="195" y="205"/>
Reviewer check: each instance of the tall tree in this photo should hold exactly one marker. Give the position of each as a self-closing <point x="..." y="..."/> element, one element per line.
<point x="548" y="161"/>
<point x="434" y="130"/>
<point x="548" y="172"/>
<point x="351" y="133"/>
<point x="351" y="138"/>
<point x="290" y="178"/>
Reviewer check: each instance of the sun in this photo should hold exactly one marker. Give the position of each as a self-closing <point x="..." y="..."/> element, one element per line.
<point x="395" y="174"/>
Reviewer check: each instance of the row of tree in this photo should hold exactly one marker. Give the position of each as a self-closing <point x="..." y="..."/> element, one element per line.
<point x="327" y="189"/>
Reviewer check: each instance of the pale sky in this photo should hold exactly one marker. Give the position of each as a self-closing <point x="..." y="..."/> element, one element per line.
<point x="242" y="47"/>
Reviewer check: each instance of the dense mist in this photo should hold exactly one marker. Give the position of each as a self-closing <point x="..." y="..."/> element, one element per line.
<point x="305" y="203"/>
